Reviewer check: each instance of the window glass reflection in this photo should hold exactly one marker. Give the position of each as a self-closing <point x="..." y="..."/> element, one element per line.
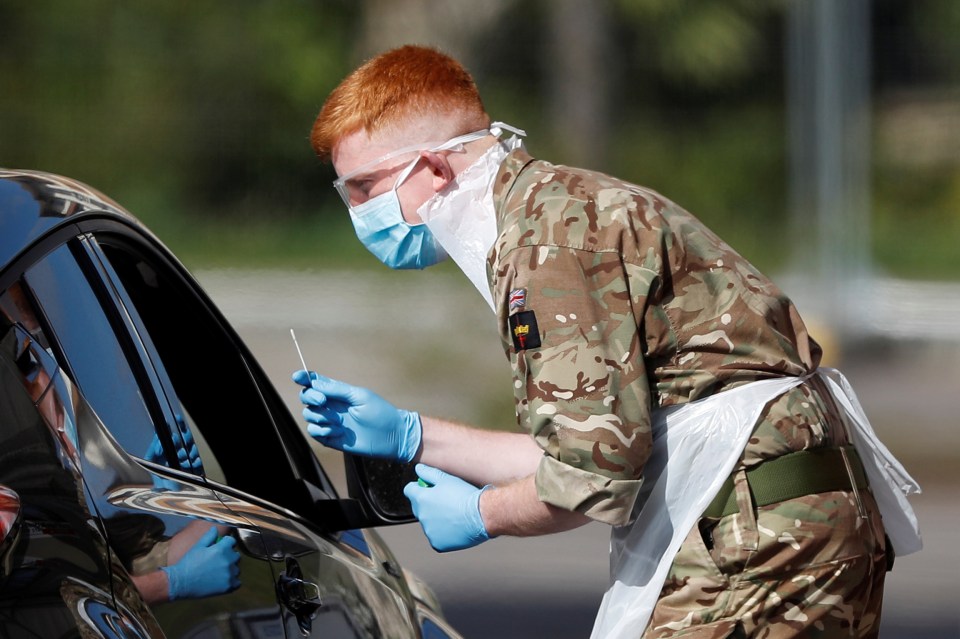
<point x="83" y="330"/>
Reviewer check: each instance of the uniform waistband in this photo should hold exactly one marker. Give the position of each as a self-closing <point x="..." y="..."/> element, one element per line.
<point x="793" y="475"/>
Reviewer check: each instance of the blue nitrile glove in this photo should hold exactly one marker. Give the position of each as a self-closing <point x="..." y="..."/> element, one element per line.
<point x="356" y="420"/>
<point x="187" y="453"/>
<point x="211" y="567"/>
<point x="155" y="454"/>
<point x="448" y="509"/>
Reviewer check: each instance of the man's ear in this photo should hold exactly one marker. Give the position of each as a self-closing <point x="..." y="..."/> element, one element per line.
<point x="440" y="169"/>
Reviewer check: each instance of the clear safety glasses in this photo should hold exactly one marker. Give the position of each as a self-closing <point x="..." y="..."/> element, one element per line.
<point x="350" y="186"/>
<point x="353" y="187"/>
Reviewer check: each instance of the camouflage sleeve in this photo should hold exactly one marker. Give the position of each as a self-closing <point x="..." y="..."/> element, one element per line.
<point x="579" y="377"/>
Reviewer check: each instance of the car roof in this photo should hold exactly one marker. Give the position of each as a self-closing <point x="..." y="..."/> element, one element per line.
<point x="35" y="203"/>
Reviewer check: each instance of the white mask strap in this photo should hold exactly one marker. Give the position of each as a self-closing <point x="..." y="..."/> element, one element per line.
<point x="497" y="129"/>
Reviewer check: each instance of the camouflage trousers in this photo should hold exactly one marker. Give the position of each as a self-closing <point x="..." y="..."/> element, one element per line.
<point x="807" y="567"/>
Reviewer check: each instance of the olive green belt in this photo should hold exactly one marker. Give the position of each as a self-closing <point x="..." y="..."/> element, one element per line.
<point x="793" y="475"/>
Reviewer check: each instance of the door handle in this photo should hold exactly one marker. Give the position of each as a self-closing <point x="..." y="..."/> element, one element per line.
<point x="299" y="596"/>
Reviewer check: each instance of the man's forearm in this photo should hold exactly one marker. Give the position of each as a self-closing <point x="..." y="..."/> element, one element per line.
<point x="153" y="587"/>
<point x="516" y="510"/>
<point x="478" y="456"/>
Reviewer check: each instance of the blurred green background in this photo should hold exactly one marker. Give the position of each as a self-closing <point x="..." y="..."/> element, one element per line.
<point x="195" y="116"/>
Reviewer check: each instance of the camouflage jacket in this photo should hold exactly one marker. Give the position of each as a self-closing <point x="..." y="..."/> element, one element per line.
<point x="613" y="301"/>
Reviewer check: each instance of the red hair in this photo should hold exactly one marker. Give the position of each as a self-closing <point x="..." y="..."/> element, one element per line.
<point x="408" y="82"/>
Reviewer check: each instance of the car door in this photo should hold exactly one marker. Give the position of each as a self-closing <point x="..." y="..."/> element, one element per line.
<point x="159" y="521"/>
<point x="254" y="456"/>
<point x="55" y="566"/>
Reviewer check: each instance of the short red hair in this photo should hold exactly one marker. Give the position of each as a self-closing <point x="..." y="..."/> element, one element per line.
<point x="408" y="82"/>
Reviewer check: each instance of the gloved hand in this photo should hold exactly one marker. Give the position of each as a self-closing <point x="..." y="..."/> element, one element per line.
<point x="356" y="420"/>
<point x="448" y="509"/>
<point x="209" y="568"/>
<point x="155" y="454"/>
<point x="187" y="453"/>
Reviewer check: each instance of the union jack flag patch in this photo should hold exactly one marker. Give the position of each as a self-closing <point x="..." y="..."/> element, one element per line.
<point x="517" y="299"/>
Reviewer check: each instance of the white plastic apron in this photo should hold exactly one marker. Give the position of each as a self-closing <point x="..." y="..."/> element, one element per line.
<point x="695" y="447"/>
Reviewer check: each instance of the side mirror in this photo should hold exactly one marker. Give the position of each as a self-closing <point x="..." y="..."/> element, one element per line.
<point x="378" y="485"/>
<point x="375" y="499"/>
<point x="9" y="526"/>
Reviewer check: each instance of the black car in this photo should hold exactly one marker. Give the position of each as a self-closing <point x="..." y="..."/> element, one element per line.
<point x="152" y="481"/>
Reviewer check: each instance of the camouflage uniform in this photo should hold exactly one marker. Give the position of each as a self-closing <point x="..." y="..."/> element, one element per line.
<point x="614" y="301"/>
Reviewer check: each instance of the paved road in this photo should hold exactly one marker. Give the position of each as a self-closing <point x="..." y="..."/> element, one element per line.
<point x="425" y="340"/>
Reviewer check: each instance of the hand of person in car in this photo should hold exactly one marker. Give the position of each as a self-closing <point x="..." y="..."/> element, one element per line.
<point x="210" y="567"/>
<point x="154" y="453"/>
<point x="356" y="420"/>
<point x="187" y="453"/>
<point x="448" y="509"/>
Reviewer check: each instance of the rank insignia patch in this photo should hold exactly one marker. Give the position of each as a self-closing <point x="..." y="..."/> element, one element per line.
<point x="523" y="329"/>
<point x="517" y="299"/>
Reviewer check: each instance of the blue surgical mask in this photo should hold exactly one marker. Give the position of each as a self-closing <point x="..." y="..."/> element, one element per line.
<point x="381" y="228"/>
<point x="379" y="221"/>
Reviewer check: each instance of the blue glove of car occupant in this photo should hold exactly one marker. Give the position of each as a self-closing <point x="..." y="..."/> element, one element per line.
<point x="448" y="509"/>
<point x="187" y="453"/>
<point x="188" y="457"/>
<point x="155" y="452"/>
<point x="356" y="420"/>
<point x="211" y="567"/>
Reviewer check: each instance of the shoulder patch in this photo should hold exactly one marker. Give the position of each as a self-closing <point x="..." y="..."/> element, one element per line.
<point x="524" y="330"/>
<point x="517" y="299"/>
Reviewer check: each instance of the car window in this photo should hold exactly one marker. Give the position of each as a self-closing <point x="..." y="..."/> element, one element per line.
<point x="92" y="347"/>
<point x="162" y="374"/>
<point x="92" y="350"/>
<point x="30" y="370"/>
<point x="236" y="418"/>
<point x="17" y="308"/>
<point x="26" y="341"/>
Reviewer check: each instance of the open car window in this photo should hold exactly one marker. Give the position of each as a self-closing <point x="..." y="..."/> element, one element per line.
<point x="219" y="395"/>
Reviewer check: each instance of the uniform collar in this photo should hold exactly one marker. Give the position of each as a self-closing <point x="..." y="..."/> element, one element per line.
<point x="510" y="169"/>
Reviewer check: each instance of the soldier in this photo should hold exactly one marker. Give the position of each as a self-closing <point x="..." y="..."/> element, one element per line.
<point x="614" y="305"/>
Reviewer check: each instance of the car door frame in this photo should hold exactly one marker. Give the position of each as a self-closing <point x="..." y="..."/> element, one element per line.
<point x="274" y="521"/>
